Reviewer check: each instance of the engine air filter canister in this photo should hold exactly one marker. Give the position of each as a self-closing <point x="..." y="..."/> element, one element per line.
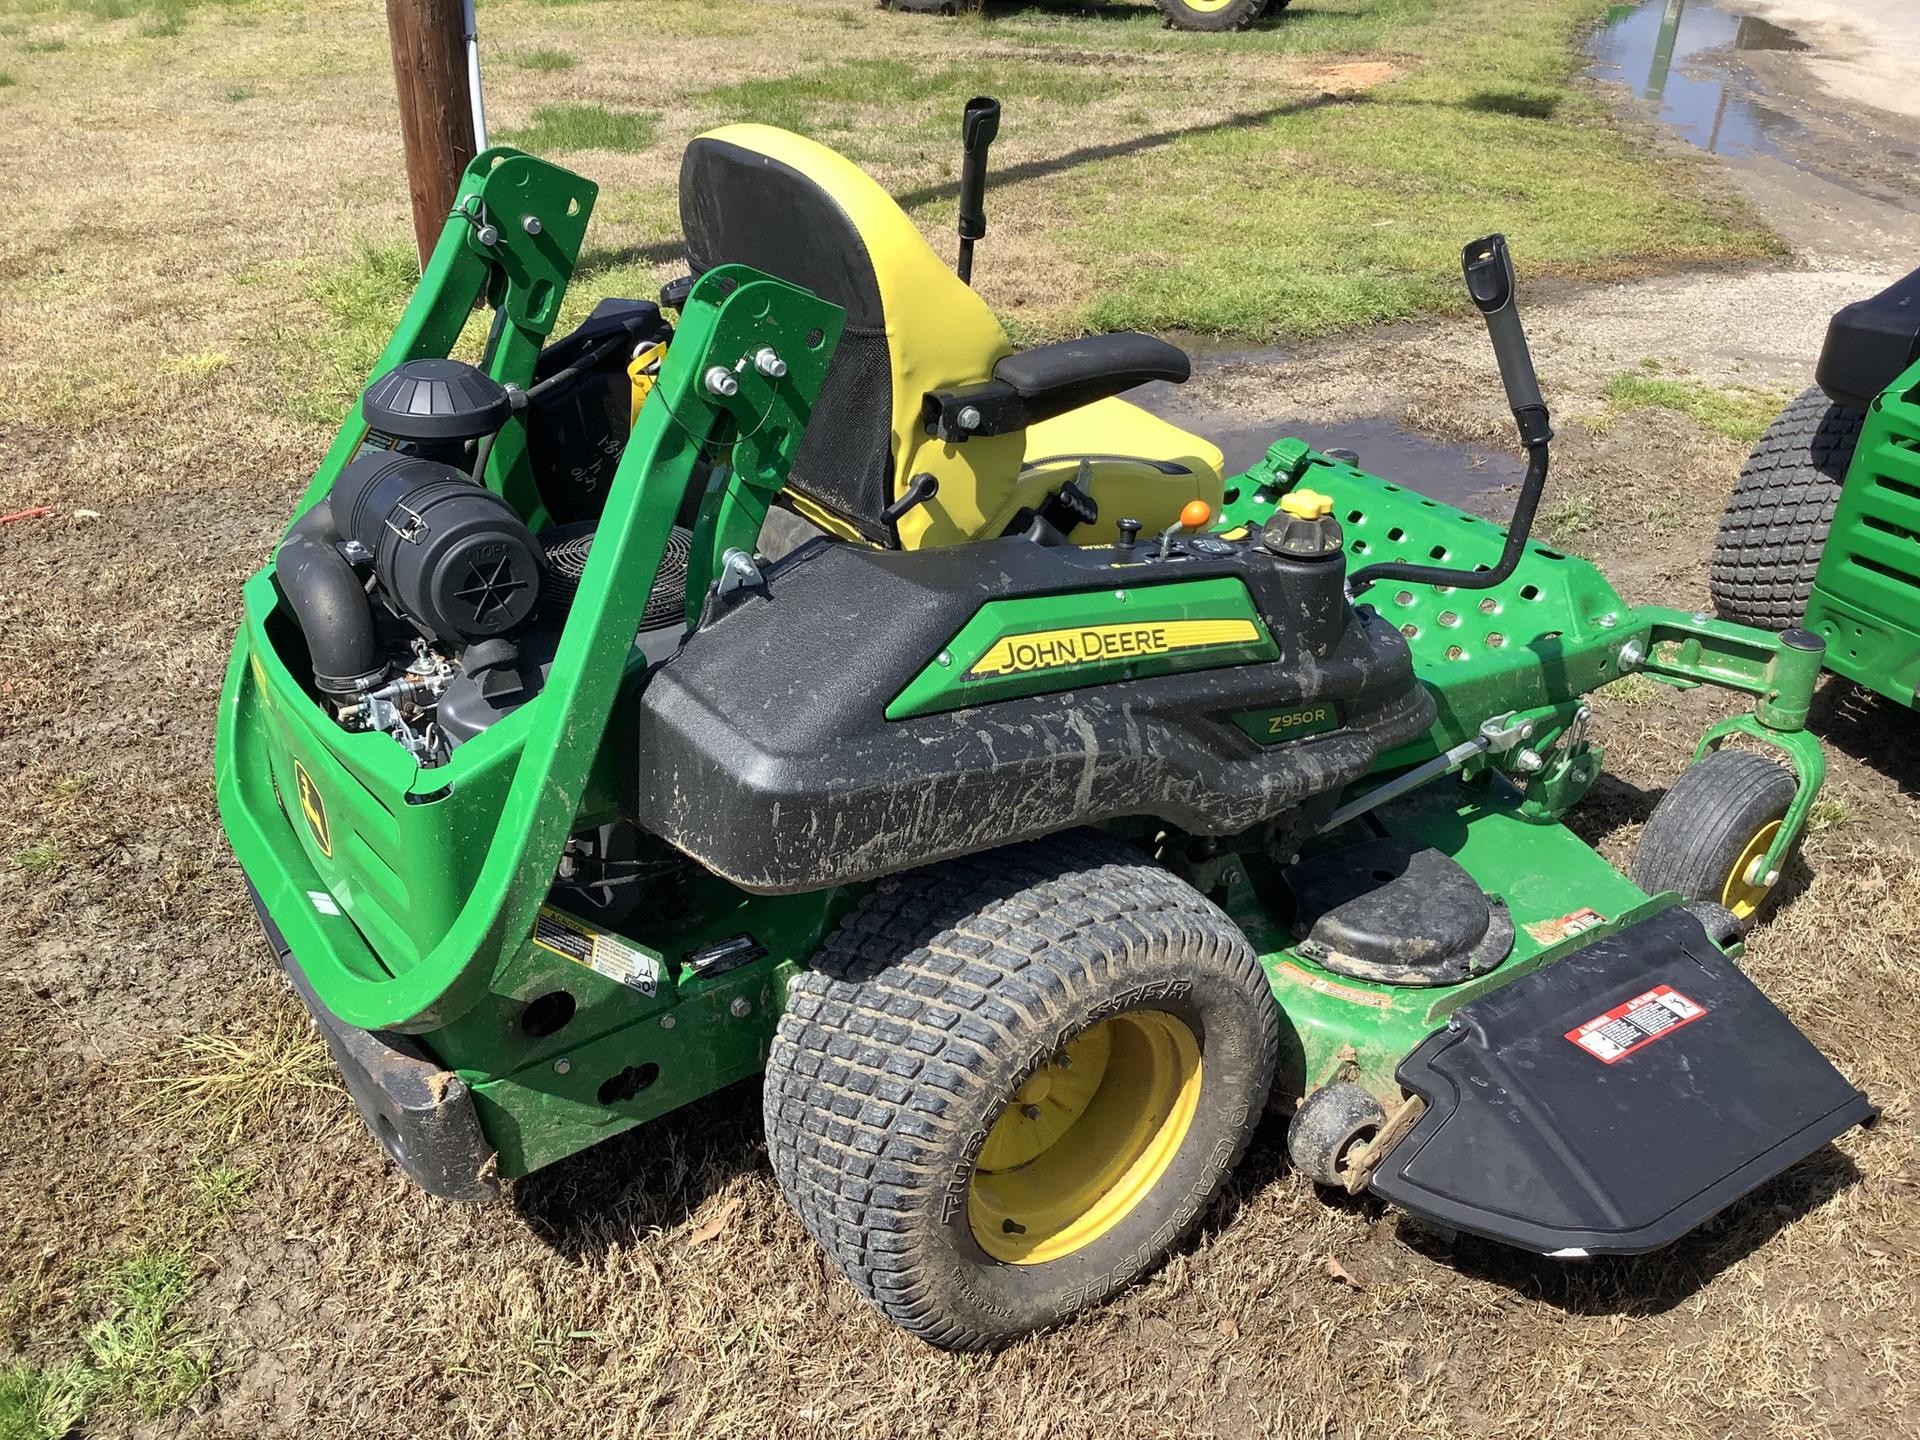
<point x="451" y="554"/>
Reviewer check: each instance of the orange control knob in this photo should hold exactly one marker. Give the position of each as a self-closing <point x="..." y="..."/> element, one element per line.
<point x="1196" y="514"/>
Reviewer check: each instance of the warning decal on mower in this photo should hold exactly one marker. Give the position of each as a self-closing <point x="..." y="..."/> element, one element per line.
<point x="600" y="951"/>
<point x="1641" y="1021"/>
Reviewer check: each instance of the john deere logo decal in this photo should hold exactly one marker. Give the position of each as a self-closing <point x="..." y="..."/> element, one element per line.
<point x="1091" y="644"/>
<point x="314" y="808"/>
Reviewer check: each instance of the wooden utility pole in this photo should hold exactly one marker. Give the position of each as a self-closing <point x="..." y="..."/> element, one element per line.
<point x="436" y="107"/>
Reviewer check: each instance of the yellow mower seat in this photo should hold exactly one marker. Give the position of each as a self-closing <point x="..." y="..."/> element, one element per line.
<point x="761" y="196"/>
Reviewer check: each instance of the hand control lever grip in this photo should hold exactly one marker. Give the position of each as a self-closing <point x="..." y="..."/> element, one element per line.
<point x="1489" y="274"/>
<point x="979" y="123"/>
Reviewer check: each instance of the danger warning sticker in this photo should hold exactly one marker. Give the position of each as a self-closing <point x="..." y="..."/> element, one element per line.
<point x="600" y="951"/>
<point x="1641" y="1021"/>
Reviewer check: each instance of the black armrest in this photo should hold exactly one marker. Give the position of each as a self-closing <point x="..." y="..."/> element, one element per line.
<point x="1050" y="380"/>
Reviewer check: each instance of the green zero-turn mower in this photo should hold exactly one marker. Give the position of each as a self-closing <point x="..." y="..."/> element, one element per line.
<point x="817" y="685"/>
<point x="1823" y="527"/>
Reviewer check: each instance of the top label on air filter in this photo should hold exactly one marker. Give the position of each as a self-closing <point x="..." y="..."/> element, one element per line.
<point x="1638" y="1023"/>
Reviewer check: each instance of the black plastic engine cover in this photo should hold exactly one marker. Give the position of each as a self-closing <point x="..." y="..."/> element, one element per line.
<point x="1613" y="1100"/>
<point x="763" y="751"/>
<point x="1869" y="343"/>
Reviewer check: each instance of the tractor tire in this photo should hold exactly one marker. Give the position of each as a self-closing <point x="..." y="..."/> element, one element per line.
<point x="1010" y="1083"/>
<point x="1719" y="817"/>
<point x="1776" y="521"/>
<point x="1215" y="15"/>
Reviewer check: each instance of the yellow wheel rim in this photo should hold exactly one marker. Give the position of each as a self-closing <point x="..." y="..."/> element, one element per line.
<point x="1738" y="895"/>
<point x="1085" y="1139"/>
<point x="1205" y="7"/>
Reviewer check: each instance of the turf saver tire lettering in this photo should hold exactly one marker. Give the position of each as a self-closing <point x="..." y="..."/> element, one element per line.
<point x="1775" y="526"/>
<point x="935" y="1001"/>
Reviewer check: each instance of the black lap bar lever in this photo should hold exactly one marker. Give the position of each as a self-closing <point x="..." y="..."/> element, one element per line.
<point x="1489" y="274"/>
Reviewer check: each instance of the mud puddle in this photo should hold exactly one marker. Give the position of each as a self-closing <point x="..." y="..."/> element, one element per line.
<point x="1469" y="476"/>
<point x="1678" y="55"/>
<point x="1738" y="86"/>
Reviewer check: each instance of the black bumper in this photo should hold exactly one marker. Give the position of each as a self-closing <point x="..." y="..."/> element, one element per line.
<point x="420" y="1112"/>
<point x="1560" y="1125"/>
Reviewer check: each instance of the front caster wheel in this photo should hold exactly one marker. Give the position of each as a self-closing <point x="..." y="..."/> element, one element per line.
<point x="1012" y="1082"/>
<point x="1329" y="1129"/>
<point x="1708" y="837"/>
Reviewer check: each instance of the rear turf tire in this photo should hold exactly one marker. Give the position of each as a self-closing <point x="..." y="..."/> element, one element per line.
<point x="1775" y="525"/>
<point x="1707" y="830"/>
<point x="1215" y="15"/>
<point x="915" y="1091"/>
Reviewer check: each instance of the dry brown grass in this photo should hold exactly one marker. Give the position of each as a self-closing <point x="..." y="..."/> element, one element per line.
<point x="156" y="275"/>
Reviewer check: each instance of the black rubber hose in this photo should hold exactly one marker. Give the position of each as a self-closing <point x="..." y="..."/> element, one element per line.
<point x="1518" y="530"/>
<point x="331" y="605"/>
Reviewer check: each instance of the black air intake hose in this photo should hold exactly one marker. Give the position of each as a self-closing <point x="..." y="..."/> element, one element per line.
<point x="331" y="605"/>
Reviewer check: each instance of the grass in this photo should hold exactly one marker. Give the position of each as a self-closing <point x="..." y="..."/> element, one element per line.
<point x="145" y="1352"/>
<point x="1567" y="516"/>
<point x="1737" y="413"/>
<point x="545" y="60"/>
<point x="142" y="1357"/>
<point x="214" y="1087"/>
<point x="360" y="299"/>
<point x="44" y="45"/>
<point x="6" y="79"/>
<point x="565" y="129"/>
<point x="1635" y="691"/>
<point x="42" y="857"/>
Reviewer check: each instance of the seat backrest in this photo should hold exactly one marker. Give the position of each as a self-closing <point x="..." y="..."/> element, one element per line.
<point x="760" y="196"/>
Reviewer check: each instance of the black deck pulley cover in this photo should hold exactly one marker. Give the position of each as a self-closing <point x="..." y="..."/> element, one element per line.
<point x="450" y="553"/>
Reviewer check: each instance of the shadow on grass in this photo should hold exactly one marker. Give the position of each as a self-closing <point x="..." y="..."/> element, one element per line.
<point x="1649" y="1285"/>
<point x="1880" y="733"/>
<point x="1629" y="1285"/>
<point x="651" y="1177"/>
<point x="598" y="261"/>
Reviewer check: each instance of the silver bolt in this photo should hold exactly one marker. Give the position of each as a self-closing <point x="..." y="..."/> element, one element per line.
<point x="488" y="235"/>
<point x="1606" y="622"/>
<point x="768" y="362"/>
<point x="720" y="381"/>
<point x="1526" y="730"/>
<point x="1580" y="777"/>
<point x="530" y="224"/>
<point x="1529" y="761"/>
<point x="667" y="1022"/>
<point x="562" y="1065"/>
<point x="945" y="657"/>
<point x="968" y="418"/>
<point x="1631" y="655"/>
<point x="1700" y="617"/>
<point x="741" y="1007"/>
<point x="1120" y="596"/>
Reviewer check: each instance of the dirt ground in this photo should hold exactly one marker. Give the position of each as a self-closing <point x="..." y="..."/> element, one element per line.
<point x="658" y="1284"/>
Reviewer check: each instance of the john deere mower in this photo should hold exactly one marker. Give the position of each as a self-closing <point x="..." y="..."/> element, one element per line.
<point x="1823" y="528"/>
<point x="793" y="677"/>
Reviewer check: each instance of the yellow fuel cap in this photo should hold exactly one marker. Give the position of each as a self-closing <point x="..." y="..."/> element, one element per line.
<point x="1307" y="504"/>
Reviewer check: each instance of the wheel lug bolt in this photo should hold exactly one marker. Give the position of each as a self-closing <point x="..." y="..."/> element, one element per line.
<point x="1032" y="1112"/>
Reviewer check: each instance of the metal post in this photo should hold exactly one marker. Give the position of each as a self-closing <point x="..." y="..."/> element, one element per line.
<point x="437" y="106"/>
